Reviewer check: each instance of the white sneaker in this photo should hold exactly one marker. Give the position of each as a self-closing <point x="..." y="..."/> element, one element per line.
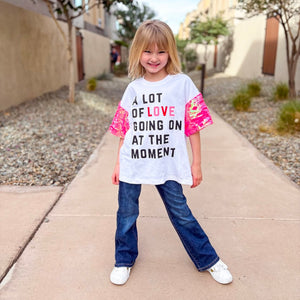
<point x="220" y="273"/>
<point x="119" y="275"/>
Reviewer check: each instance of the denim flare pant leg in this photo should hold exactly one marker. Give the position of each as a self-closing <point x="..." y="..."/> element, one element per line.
<point x="126" y="239"/>
<point x="193" y="237"/>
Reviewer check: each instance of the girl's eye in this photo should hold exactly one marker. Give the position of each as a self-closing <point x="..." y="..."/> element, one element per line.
<point x="147" y="51"/>
<point x="162" y="51"/>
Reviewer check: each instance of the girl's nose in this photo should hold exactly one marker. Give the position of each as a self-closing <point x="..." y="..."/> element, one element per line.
<point x="154" y="56"/>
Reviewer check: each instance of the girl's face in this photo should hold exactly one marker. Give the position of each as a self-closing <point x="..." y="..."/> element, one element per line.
<point x="154" y="61"/>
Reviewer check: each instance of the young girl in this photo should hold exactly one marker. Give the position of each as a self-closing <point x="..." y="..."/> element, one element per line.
<point x="157" y="111"/>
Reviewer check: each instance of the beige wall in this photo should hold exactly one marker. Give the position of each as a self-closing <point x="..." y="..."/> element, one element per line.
<point x="200" y="49"/>
<point x="225" y="7"/>
<point x="96" y="54"/>
<point x="246" y="59"/>
<point x="240" y="54"/>
<point x="208" y="8"/>
<point x="248" y="45"/>
<point x="32" y="55"/>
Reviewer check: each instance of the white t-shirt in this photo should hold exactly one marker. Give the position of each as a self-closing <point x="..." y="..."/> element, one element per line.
<point x="153" y="121"/>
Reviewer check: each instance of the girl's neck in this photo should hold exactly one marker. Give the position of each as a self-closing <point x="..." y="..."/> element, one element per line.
<point x="155" y="77"/>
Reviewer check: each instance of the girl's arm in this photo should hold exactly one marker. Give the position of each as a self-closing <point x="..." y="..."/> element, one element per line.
<point x="116" y="172"/>
<point x="196" y="163"/>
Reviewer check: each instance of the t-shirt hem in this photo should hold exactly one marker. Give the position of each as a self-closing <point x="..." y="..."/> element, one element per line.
<point x="155" y="181"/>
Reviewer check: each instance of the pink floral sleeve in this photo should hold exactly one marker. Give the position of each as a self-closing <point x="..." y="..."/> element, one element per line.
<point x="120" y="124"/>
<point x="197" y="115"/>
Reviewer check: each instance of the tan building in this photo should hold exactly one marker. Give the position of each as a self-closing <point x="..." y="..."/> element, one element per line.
<point x="255" y="48"/>
<point x="33" y="56"/>
<point x="209" y="8"/>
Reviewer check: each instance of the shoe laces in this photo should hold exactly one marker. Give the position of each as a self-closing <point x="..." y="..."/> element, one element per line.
<point x="218" y="267"/>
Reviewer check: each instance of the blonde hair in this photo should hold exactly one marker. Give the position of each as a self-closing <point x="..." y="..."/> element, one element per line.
<point x="153" y="32"/>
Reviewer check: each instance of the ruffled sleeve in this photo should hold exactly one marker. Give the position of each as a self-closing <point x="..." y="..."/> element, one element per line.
<point x="197" y="115"/>
<point x="120" y="124"/>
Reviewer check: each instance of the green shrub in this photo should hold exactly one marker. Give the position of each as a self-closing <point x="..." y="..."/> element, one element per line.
<point x="191" y="55"/>
<point x="183" y="68"/>
<point x="92" y="84"/>
<point x="281" y="91"/>
<point x="121" y="43"/>
<point x="199" y="68"/>
<point x="254" y="88"/>
<point x="120" y="69"/>
<point x="105" y="76"/>
<point x="191" y="58"/>
<point x="242" y="100"/>
<point x="289" y="117"/>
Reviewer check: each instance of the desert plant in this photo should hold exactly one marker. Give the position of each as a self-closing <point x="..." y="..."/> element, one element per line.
<point x="208" y="32"/>
<point x="254" y="88"/>
<point x="241" y="101"/>
<point x="120" y="69"/>
<point x="104" y="76"/>
<point x="91" y="84"/>
<point x="281" y="91"/>
<point x="181" y="45"/>
<point x="289" y="117"/>
<point x="191" y="58"/>
<point x="183" y="67"/>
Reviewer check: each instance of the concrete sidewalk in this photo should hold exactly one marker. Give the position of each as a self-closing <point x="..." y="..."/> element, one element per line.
<point x="250" y="211"/>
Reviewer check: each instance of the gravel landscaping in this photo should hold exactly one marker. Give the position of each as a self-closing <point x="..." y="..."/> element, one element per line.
<point x="256" y="125"/>
<point x="47" y="140"/>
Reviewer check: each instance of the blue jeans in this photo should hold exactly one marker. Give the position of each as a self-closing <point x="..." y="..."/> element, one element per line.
<point x="192" y="236"/>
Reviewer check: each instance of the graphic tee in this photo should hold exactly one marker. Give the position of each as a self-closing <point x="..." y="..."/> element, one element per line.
<point x="154" y="118"/>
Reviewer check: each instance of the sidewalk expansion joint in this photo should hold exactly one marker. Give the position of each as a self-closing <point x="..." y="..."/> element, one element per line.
<point x="80" y="215"/>
<point x="29" y="239"/>
<point x="252" y="218"/>
<point x="7" y="277"/>
<point x="166" y="217"/>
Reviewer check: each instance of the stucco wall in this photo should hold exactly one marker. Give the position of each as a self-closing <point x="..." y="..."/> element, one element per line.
<point x="210" y="55"/>
<point x="246" y="58"/>
<point x="200" y="50"/>
<point x="33" y="58"/>
<point x="248" y="46"/>
<point x="96" y="54"/>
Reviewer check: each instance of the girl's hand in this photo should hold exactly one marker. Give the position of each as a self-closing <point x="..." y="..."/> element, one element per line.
<point x="197" y="174"/>
<point x="196" y="165"/>
<point x="115" y="175"/>
<point x="116" y="172"/>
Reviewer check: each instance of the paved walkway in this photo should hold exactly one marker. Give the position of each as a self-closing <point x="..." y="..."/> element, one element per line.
<point x="250" y="211"/>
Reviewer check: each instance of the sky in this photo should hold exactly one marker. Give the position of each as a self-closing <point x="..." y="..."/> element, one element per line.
<point x="172" y="12"/>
